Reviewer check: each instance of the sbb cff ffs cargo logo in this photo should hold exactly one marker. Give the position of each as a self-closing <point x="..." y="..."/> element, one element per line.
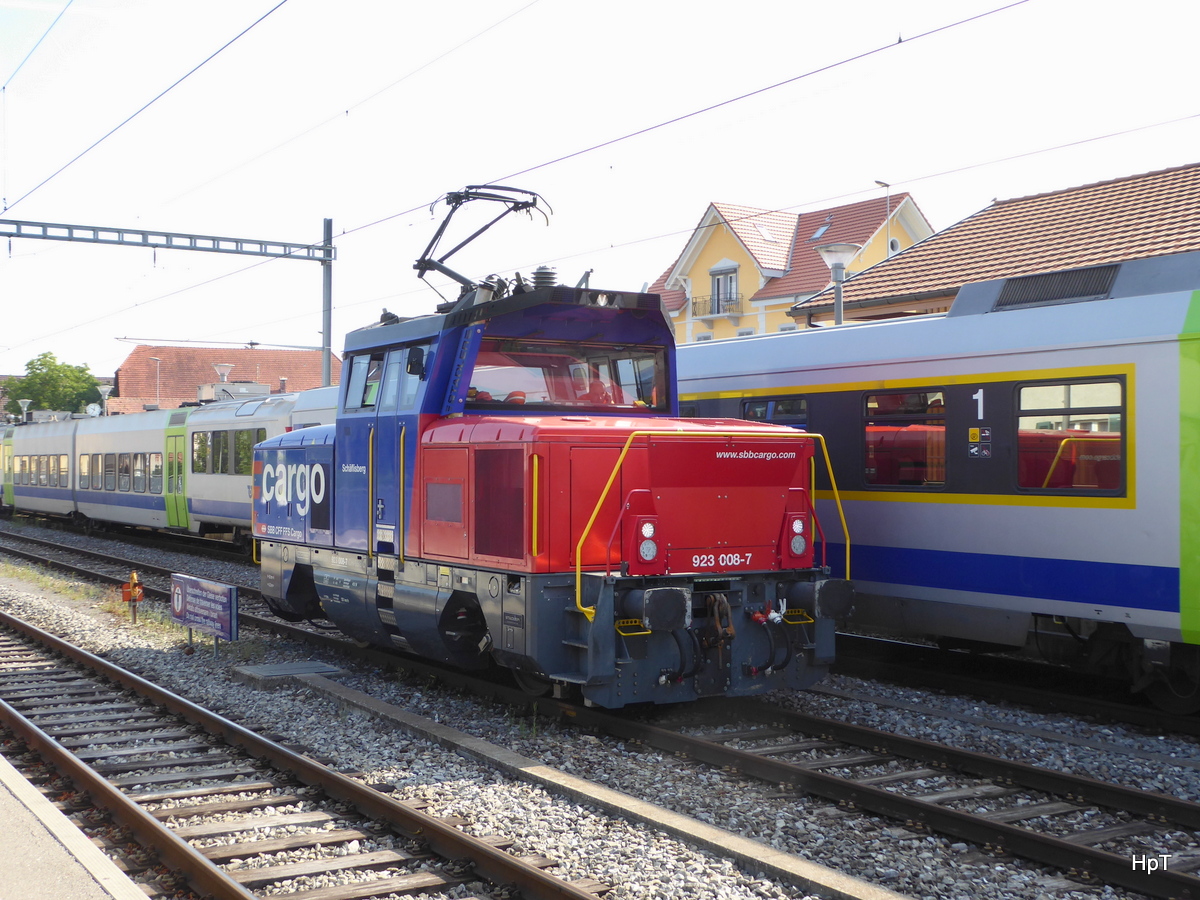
<point x="307" y="486"/>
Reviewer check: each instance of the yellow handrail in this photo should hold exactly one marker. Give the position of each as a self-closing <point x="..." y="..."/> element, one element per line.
<point x="1072" y="440"/>
<point x="533" y="539"/>
<point x="590" y="611"/>
<point x="837" y="497"/>
<point x="400" y="527"/>
<point x="370" y="494"/>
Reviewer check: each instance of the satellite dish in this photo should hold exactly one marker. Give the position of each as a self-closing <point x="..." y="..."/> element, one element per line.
<point x="93" y="409"/>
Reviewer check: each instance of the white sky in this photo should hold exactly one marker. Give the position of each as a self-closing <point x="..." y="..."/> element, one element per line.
<point x="363" y="109"/>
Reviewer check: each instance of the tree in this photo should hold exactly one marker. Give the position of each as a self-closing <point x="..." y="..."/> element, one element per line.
<point x="50" y="384"/>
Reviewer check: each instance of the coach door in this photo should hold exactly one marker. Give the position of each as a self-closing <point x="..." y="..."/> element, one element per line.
<point x="177" y="512"/>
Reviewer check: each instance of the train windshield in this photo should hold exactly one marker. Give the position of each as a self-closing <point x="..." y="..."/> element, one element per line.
<point x="568" y="376"/>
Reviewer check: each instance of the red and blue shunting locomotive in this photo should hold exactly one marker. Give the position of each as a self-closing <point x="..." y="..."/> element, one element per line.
<point x="508" y="482"/>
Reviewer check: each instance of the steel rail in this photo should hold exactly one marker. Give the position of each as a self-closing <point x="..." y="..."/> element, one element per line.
<point x="1059" y="852"/>
<point x="1021" y="842"/>
<point x="444" y="839"/>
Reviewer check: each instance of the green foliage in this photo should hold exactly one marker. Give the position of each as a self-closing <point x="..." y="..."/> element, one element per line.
<point x="52" y="385"/>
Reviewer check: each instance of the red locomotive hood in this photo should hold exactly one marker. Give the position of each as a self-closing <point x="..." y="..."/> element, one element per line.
<point x="519" y="429"/>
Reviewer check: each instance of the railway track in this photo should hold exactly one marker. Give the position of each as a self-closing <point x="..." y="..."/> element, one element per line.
<point x="995" y="677"/>
<point x="174" y="542"/>
<point x="101" y="566"/>
<point x="1038" y="814"/>
<point x="229" y="810"/>
<point x="1033" y="813"/>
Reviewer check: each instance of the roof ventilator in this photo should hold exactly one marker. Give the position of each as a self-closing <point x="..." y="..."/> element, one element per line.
<point x="1075" y="286"/>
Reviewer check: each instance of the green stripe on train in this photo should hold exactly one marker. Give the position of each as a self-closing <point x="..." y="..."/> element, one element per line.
<point x="1189" y="473"/>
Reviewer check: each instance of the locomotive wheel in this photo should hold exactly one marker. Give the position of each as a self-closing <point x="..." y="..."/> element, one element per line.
<point x="1178" y="690"/>
<point x="1177" y="694"/>
<point x="531" y="683"/>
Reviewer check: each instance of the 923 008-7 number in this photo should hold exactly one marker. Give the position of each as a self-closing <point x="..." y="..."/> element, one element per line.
<point x="710" y="560"/>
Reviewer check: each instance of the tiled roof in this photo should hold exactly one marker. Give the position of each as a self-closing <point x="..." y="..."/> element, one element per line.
<point x="767" y="234"/>
<point x="1138" y="216"/>
<point x="853" y="223"/>
<point x="183" y="369"/>
<point x="672" y="300"/>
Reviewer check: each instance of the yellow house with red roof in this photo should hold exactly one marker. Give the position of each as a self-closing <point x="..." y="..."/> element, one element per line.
<point x="743" y="268"/>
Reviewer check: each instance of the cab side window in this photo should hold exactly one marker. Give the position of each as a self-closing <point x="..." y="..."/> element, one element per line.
<point x="362" y="389"/>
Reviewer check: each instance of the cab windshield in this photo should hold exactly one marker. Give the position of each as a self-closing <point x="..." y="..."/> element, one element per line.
<point x="569" y="376"/>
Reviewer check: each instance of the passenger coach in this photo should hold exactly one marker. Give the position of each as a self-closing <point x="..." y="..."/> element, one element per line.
<point x="1021" y="472"/>
<point x="186" y="469"/>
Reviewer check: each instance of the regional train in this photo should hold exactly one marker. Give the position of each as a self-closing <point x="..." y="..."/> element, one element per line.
<point x="508" y="483"/>
<point x="186" y="469"/>
<point x="1021" y="472"/>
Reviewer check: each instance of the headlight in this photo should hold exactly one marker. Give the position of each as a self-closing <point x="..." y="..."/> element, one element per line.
<point x="798" y="544"/>
<point x="647" y="529"/>
<point x="647" y="550"/>
<point x="797" y="526"/>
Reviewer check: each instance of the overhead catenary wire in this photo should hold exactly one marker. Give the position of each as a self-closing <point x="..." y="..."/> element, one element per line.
<point x="341" y="114"/>
<point x="866" y="54"/>
<point x="37" y="44"/>
<point x="145" y="106"/>
<point x="4" y="102"/>
<point x="898" y="182"/>
<point x="276" y="320"/>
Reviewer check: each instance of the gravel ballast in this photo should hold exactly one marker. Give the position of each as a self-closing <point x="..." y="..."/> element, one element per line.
<point x="637" y="860"/>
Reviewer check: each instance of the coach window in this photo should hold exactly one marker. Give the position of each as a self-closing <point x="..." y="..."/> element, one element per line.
<point x="905" y="439"/>
<point x="124" y="471"/>
<point x="96" y="470"/>
<point x="53" y="460"/>
<point x="64" y="470"/>
<point x="139" y="473"/>
<point x="243" y="449"/>
<point x="110" y="471"/>
<point x="791" y="411"/>
<point x="84" y="479"/>
<point x="222" y="453"/>
<point x="156" y="473"/>
<point x="200" y="451"/>
<point x="43" y="471"/>
<point x="1070" y="436"/>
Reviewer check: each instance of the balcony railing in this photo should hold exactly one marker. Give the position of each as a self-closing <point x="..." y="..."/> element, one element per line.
<point x="710" y="305"/>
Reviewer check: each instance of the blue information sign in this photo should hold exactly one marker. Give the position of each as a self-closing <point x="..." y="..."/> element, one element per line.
<point x="208" y="606"/>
